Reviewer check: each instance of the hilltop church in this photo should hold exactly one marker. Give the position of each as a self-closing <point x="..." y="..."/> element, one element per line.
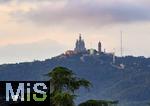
<point x="80" y="48"/>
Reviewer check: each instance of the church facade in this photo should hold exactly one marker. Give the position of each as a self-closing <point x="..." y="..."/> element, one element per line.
<point x="80" y="45"/>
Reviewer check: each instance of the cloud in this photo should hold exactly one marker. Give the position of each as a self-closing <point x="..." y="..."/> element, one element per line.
<point x="5" y="1"/>
<point x="29" y="51"/>
<point x="82" y="13"/>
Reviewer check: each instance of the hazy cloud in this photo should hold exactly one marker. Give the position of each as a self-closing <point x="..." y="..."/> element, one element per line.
<point x="88" y="13"/>
<point x="27" y="52"/>
<point x="5" y="1"/>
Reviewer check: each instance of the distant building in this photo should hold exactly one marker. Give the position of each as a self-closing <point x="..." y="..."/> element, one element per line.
<point x="99" y="47"/>
<point x="92" y="51"/>
<point x="80" y="45"/>
<point x="69" y="52"/>
<point x="104" y="50"/>
<point x="114" y="58"/>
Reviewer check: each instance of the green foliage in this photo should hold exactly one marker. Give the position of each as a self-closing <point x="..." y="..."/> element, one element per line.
<point x="98" y="103"/>
<point x="62" y="99"/>
<point x="64" y="84"/>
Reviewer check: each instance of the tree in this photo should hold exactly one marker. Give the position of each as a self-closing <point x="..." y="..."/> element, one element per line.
<point x="99" y="103"/>
<point x="64" y="83"/>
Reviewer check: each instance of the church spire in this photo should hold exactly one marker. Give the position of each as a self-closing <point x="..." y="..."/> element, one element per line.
<point x="80" y="38"/>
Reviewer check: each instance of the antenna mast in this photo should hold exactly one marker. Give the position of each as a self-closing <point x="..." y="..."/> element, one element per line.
<point x="121" y="48"/>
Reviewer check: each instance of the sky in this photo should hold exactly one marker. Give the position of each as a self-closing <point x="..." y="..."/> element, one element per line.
<point x="40" y="29"/>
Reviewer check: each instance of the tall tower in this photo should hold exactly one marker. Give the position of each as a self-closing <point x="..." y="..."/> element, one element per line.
<point x="114" y="57"/>
<point x="99" y="47"/>
<point x="80" y="45"/>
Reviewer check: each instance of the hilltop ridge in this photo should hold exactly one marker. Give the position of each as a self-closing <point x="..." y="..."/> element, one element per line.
<point x="129" y="85"/>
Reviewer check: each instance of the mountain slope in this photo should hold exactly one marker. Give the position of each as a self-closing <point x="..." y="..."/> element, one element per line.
<point x="129" y="85"/>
